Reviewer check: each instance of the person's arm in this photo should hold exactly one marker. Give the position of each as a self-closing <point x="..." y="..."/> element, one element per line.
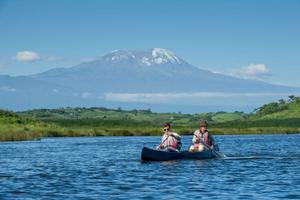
<point x="162" y="146"/>
<point x="195" y="138"/>
<point x="163" y="141"/>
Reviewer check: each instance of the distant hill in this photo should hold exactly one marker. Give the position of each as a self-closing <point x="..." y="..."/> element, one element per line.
<point x="127" y="116"/>
<point x="156" y="79"/>
<point x="276" y="117"/>
<point x="279" y="110"/>
<point x="281" y="114"/>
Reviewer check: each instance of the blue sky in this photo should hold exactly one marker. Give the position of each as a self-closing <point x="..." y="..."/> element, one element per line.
<point x="250" y="38"/>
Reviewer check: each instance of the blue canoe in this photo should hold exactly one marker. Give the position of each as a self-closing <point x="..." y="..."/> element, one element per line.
<point x="157" y="155"/>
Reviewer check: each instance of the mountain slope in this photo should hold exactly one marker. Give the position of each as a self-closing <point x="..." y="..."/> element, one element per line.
<point x="156" y="70"/>
<point x="22" y="92"/>
<point x="156" y="79"/>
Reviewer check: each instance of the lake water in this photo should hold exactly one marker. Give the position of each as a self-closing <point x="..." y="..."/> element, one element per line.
<point x="256" y="167"/>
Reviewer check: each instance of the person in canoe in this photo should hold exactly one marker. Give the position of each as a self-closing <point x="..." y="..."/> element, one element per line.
<point x="202" y="139"/>
<point x="171" y="141"/>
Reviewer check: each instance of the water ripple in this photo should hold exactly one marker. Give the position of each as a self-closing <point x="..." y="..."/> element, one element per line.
<point x="256" y="167"/>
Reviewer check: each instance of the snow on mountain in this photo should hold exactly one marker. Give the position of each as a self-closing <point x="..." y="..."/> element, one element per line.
<point x="163" y="56"/>
<point x="119" y="55"/>
<point x="155" y="56"/>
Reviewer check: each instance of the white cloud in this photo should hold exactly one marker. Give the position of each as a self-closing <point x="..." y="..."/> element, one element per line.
<point x="27" y="56"/>
<point x="216" y="72"/>
<point x="252" y="71"/>
<point x="30" y="56"/>
<point x="7" y="89"/>
<point x="195" y="98"/>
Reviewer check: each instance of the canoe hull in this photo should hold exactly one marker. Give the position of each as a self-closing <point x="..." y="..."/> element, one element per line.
<point x="156" y="155"/>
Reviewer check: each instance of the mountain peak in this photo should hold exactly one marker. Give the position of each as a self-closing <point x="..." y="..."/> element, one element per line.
<point x="119" y="55"/>
<point x="161" y="56"/>
<point x="154" y="56"/>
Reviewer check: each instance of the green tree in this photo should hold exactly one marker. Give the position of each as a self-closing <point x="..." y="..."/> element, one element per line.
<point x="281" y="101"/>
<point x="292" y="98"/>
<point x="268" y="108"/>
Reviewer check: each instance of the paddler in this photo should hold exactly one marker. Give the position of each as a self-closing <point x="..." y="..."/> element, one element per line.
<point x="202" y="139"/>
<point x="171" y="141"/>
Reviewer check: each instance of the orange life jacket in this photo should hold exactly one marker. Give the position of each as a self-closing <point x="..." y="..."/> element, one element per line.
<point x="203" y="138"/>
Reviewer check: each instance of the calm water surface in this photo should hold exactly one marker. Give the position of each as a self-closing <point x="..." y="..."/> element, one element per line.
<point x="256" y="167"/>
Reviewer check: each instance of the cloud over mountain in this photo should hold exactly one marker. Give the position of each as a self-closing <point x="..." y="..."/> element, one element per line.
<point x="252" y="71"/>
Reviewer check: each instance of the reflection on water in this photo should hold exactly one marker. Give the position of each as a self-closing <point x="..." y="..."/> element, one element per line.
<point x="263" y="166"/>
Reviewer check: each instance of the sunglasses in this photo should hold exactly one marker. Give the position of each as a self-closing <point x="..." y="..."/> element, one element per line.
<point x="166" y="129"/>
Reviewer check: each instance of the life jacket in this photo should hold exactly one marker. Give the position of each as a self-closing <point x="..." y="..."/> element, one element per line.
<point x="203" y="138"/>
<point x="171" y="141"/>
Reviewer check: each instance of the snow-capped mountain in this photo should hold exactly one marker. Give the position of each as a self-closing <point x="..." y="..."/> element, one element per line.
<point x="155" y="56"/>
<point x="136" y="79"/>
<point x="160" y="56"/>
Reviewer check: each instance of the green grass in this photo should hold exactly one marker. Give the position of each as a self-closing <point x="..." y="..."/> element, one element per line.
<point x="226" y="117"/>
<point x="275" y="117"/>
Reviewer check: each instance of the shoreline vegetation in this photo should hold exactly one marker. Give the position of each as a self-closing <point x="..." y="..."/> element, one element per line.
<point x="273" y="118"/>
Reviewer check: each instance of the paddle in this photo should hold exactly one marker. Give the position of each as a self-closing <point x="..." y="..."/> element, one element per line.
<point x="164" y="141"/>
<point x="218" y="154"/>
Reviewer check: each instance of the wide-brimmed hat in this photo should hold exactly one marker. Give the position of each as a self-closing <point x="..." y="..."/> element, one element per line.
<point x="203" y="123"/>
